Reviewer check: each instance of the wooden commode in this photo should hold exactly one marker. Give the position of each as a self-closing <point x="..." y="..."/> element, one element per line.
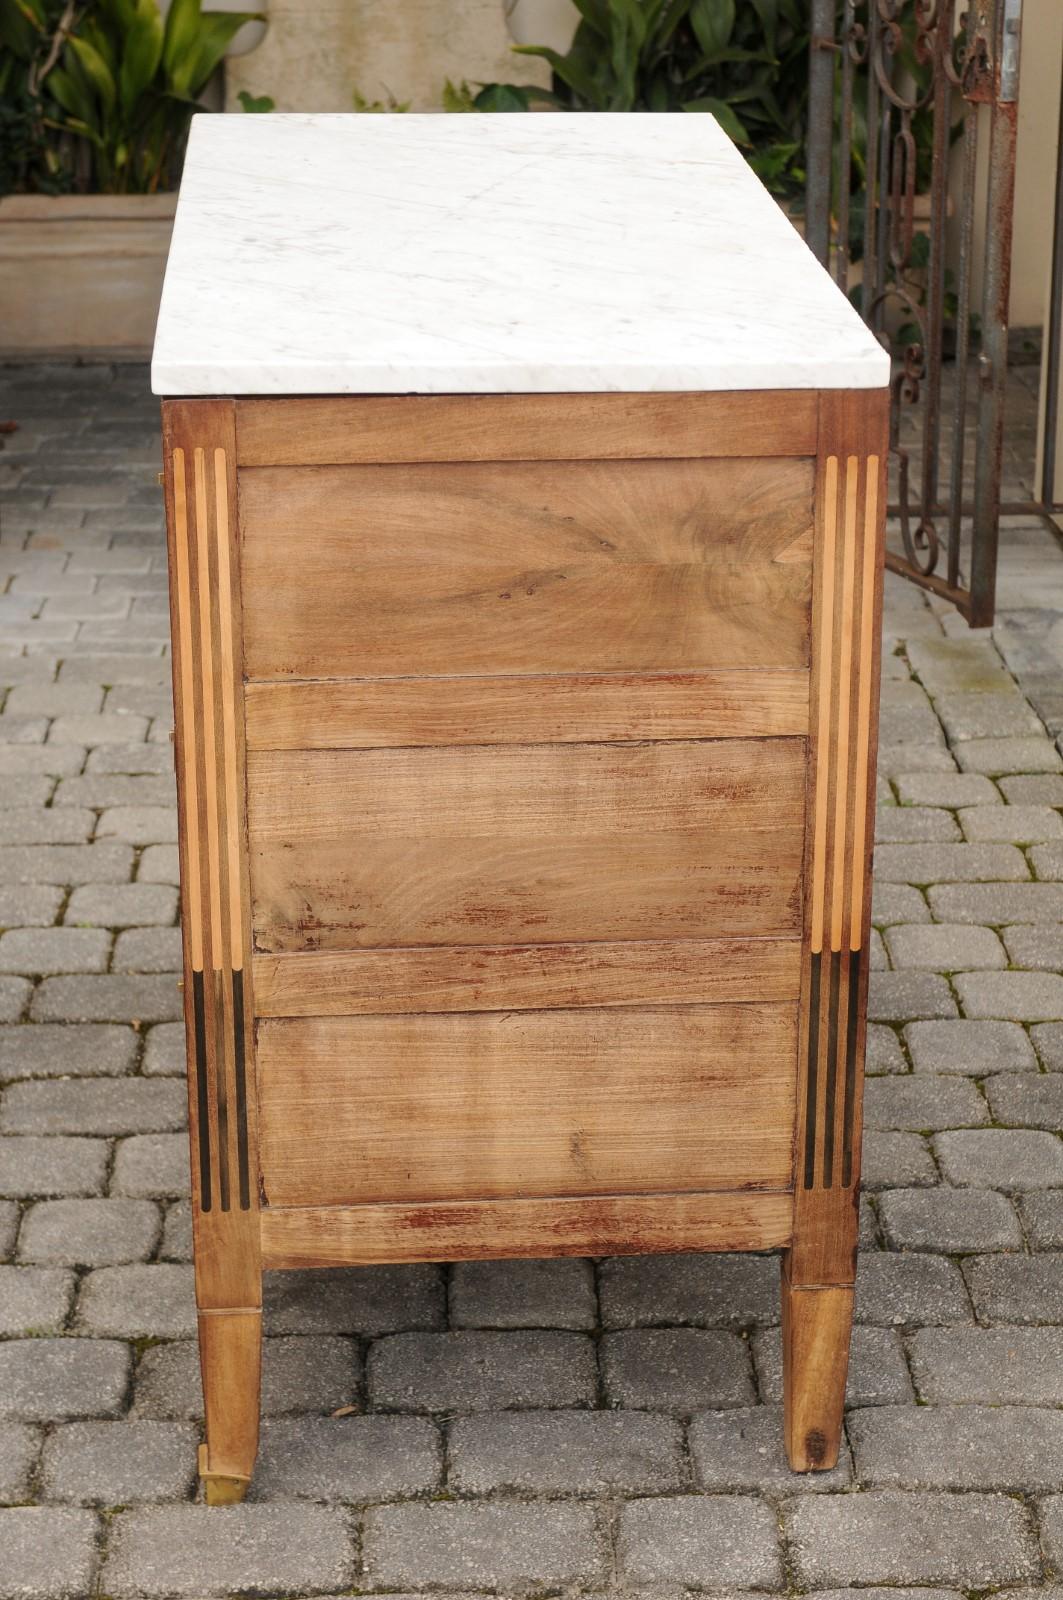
<point x="525" y="487"/>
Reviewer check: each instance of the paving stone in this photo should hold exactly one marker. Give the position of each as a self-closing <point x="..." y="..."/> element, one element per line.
<point x="101" y="729"/>
<point x="1018" y="1448"/>
<point x="936" y="789"/>
<point x="489" y="1546"/>
<point x="70" y="1050"/>
<point x="913" y="723"/>
<point x="53" y="699"/>
<point x="989" y="1366"/>
<point x="1038" y="949"/>
<point x="894" y="759"/>
<point x="147" y="950"/>
<point x="52" y="1166"/>
<point x="366" y="1300"/>
<point x="1048" y="1042"/>
<point x="43" y="950"/>
<point x="1011" y="824"/>
<point x="159" y="864"/>
<point x="944" y="947"/>
<point x="1052" y="1530"/>
<point x="733" y="1538"/>
<point x="565" y="1452"/>
<point x="1034" y="789"/>
<point x="49" y="1380"/>
<point x="177" y="1232"/>
<point x="473" y="1371"/>
<point x="1042" y="1217"/>
<point x="1030" y="1100"/>
<point x="164" y="1051"/>
<point x="675" y="1369"/>
<point x="996" y="757"/>
<point x="185" y="1551"/>
<point x="522" y="1294"/>
<point x="1000" y="1158"/>
<point x="9" y="1224"/>
<point x="742" y="1449"/>
<point x="915" y="824"/>
<point x="1021" y="1289"/>
<point x="88" y="1233"/>
<point x="24" y="824"/>
<point x="135" y="1302"/>
<point x="897" y="996"/>
<point x="101" y="790"/>
<point x="996" y="904"/>
<point x="949" y="1222"/>
<point x="949" y="863"/>
<point x="905" y="1290"/>
<point x="892" y="1159"/>
<point x="972" y="1048"/>
<point x="139" y="824"/>
<point x="887" y="1536"/>
<point x="34" y="1300"/>
<point x="897" y="902"/>
<point x="884" y="1053"/>
<point x="30" y="905"/>
<point x="1016" y="996"/>
<point x="923" y="1103"/>
<point x="123" y="905"/>
<point x="1003" y="715"/>
<point x="119" y="1463"/>
<point x="67" y="864"/>
<point x="728" y="1291"/>
<point x="19" y="1448"/>
<point x="878" y="960"/>
<point x="347" y="1458"/>
<point x="14" y="994"/>
<point x="92" y="1105"/>
<point x="46" y="1553"/>
<point x="132" y="760"/>
<point x="306" y="1375"/>
<point x="878" y="1372"/>
<point x="49" y="760"/>
<point x="1047" y="860"/>
<point x="107" y="999"/>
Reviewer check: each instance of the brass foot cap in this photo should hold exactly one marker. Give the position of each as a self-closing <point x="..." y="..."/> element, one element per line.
<point x="221" y="1488"/>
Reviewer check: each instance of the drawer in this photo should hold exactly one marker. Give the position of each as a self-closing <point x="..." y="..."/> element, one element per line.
<point x="501" y="844"/>
<point x="622" y="1101"/>
<point x="525" y="567"/>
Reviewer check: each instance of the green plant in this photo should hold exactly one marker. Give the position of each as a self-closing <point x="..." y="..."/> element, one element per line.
<point x="255" y="102"/>
<point x="745" y="61"/>
<point x="388" y="104"/>
<point x="32" y="156"/>
<point x="128" y="85"/>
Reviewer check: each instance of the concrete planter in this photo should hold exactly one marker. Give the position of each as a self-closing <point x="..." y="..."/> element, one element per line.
<point x="82" y="274"/>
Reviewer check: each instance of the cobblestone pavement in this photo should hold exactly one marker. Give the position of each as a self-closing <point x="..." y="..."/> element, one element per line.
<point x="612" y="1426"/>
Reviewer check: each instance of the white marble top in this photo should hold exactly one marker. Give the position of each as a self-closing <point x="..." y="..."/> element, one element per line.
<point x="402" y="254"/>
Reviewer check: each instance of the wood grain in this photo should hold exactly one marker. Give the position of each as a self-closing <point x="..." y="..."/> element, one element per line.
<point x="816" y="1328"/>
<point x="367" y="713"/>
<point x="200" y="479"/>
<point x="526" y="977"/>
<point x="560" y="1225"/>
<point x="554" y="427"/>
<point x="230" y="1354"/>
<point x="506" y="844"/>
<point x="356" y="1109"/>
<point x="525" y="568"/>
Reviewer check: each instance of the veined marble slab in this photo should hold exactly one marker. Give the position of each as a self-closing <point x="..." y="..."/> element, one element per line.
<point x="403" y="254"/>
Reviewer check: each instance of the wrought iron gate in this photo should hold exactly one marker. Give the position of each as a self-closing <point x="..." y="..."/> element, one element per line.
<point x="912" y="124"/>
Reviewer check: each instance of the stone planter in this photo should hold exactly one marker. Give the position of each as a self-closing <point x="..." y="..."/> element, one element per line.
<point x="81" y="275"/>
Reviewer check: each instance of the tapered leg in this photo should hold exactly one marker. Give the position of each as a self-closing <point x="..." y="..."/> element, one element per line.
<point x="816" y="1324"/>
<point x="230" y="1353"/>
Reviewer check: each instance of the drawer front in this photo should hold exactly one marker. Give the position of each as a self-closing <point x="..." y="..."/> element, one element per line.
<point x="524" y="567"/>
<point x="504" y="845"/>
<point x="359" y="1109"/>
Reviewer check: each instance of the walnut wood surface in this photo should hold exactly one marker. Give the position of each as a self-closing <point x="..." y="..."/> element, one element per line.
<point x="509" y="845"/>
<point x="484" y="1106"/>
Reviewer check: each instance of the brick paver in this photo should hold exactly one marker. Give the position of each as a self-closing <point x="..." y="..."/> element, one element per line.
<point x="607" y="1427"/>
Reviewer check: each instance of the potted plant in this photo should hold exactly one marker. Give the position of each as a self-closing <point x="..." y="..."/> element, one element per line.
<point x="98" y="96"/>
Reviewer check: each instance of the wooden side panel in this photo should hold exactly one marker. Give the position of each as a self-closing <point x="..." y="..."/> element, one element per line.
<point x="510" y="845"/>
<point x="367" y="713"/>
<point x="473" y="1230"/>
<point x="531" y="427"/>
<point x="844" y="710"/>
<point x="530" y="977"/>
<point x="205" y="617"/>
<point x="523" y="1104"/>
<point x="534" y="567"/>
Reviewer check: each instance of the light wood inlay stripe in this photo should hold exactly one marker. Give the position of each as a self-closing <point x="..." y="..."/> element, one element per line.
<point x="844" y="693"/>
<point x="863" y="727"/>
<point x="207" y="679"/>
<point x="228" y="696"/>
<point x="191" y="787"/>
<point x="826" y="678"/>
